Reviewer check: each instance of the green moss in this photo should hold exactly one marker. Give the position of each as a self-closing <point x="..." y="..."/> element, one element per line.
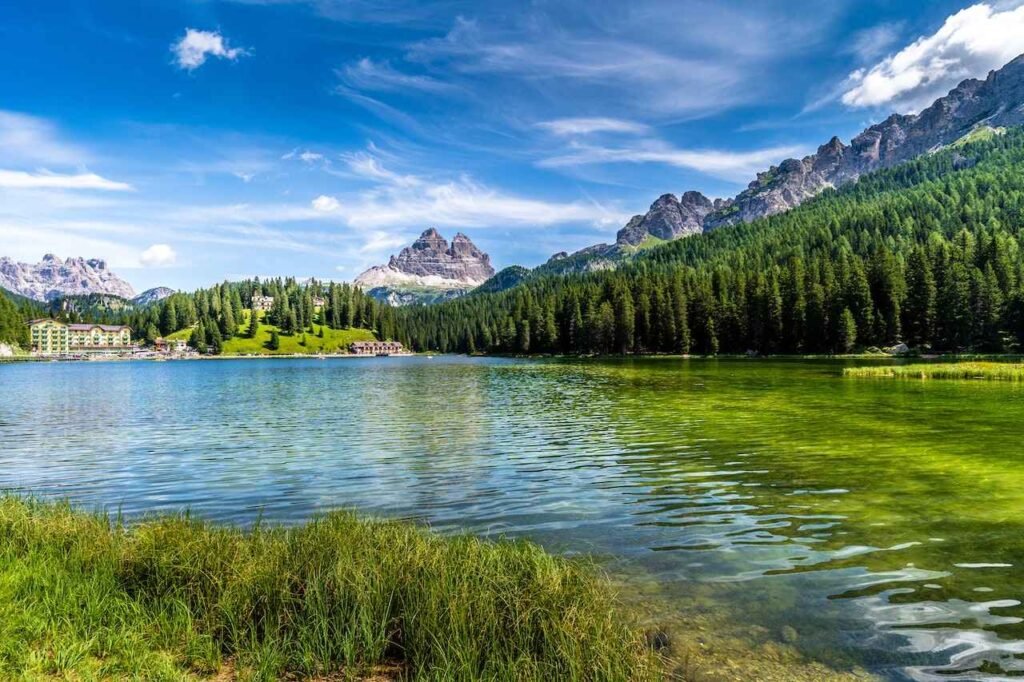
<point x="174" y="598"/>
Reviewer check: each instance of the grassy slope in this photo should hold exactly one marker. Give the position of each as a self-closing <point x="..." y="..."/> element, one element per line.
<point x="334" y="340"/>
<point x="175" y="598"/>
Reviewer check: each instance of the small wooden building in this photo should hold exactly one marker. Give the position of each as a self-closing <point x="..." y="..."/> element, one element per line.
<point x="376" y="348"/>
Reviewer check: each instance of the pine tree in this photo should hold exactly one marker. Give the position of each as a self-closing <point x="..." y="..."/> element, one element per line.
<point x="254" y="323"/>
<point x="919" y="310"/>
<point x="847" y="332"/>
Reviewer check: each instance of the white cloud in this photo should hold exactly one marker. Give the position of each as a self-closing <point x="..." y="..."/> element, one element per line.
<point x="366" y="74"/>
<point x="158" y="256"/>
<point x="45" y="180"/>
<point x="969" y="44"/>
<point x="585" y="126"/>
<point x="192" y="50"/>
<point x="325" y="204"/>
<point x="724" y="164"/>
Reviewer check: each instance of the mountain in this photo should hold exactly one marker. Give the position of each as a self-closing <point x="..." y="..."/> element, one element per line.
<point x="53" y="278"/>
<point x="429" y="270"/>
<point x="151" y="296"/>
<point x="974" y="107"/>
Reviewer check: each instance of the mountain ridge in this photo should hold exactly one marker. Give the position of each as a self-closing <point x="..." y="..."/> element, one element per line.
<point x="993" y="102"/>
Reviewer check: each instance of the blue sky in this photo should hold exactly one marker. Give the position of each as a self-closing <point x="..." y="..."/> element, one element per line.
<point x="188" y="142"/>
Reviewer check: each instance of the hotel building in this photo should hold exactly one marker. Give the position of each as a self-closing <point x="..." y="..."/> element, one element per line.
<point x="52" y="337"/>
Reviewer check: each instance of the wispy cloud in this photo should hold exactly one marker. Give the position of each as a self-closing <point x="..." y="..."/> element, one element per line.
<point x="586" y="126"/>
<point x="45" y="180"/>
<point x="661" y="82"/>
<point x="367" y="74"/>
<point x="193" y="49"/>
<point x="32" y="140"/>
<point x="969" y="44"/>
<point x="304" y="155"/>
<point x="724" y="164"/>
<point x="874" y="42"/>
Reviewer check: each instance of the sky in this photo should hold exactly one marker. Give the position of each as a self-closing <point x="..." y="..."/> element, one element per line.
<point x="191" y="141"/>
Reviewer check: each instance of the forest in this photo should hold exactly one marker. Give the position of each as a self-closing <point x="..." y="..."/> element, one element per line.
<point x="927" y="253"/>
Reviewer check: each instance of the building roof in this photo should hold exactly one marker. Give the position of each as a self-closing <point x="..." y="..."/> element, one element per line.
<point x="81" y="327"/>
<point x="104" y="327"/>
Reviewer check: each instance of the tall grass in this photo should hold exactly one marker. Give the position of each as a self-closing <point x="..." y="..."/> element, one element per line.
<point x="991" y="371"/>
<point x="85" y="597"/>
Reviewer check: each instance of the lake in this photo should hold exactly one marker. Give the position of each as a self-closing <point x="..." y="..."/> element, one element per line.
<point x="866" y="523"/>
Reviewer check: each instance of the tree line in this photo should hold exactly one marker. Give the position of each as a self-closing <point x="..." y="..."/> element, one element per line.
<point x="927" y="253"/>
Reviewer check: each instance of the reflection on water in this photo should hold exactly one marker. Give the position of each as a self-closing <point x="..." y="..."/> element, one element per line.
<point x="881" y="521"/>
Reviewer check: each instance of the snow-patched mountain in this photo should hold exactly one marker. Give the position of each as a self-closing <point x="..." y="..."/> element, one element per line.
<point x="151" y="296"/>
<point x="54" y="278"/>
<point x="430" y="269"/>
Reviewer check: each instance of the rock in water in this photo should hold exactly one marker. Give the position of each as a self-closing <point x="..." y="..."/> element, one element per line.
<point x="429" y="270"/>
<point x="54" y="278"/>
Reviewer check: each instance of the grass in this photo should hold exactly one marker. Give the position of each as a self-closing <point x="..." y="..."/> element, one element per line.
<point x="977" y="135"/>
<point x="172" y="598"/>
<point x="333" y="341"/>
<point x="991" y="371"/>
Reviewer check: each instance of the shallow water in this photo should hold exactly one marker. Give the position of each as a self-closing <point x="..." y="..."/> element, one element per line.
<point x="882" y="520"/>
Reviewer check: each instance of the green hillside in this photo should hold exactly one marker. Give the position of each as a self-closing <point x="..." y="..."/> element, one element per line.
<point x="332" y="341"/>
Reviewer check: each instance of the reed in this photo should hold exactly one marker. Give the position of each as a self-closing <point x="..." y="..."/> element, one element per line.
<point x="990" y="371"/>
<point x="84" y="596"/>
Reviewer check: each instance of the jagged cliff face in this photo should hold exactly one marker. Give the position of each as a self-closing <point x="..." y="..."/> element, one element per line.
<point x="53" y="278"/>
<point x="431" y="256"/>
<point x="669" y="218"/>
<point x="426" y="267"/>
<point x="997" y="101"/>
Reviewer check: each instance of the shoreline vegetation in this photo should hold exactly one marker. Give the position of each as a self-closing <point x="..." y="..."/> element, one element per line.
<point x="968" y="371"/>
<point x="84" y="596"/>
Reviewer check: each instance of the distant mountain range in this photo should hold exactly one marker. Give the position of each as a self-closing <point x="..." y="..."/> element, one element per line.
<point x="428" y="271"/>
<point x="53" y="279"/>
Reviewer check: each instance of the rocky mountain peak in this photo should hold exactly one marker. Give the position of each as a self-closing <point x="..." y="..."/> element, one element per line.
<point x="668" y="218"/>
<point x="430" y="262"/>
<point x="53" y="278"/>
